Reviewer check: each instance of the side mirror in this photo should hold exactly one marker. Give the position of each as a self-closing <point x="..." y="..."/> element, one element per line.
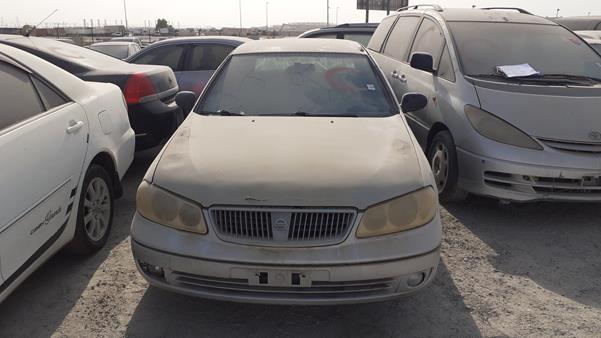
<point x="185" y="100"/>
<point x="423" y="61"/>
<point x="413" y="102"/>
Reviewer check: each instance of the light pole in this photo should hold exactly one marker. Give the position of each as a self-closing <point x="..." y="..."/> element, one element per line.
<point x="125" y="11"/>
<point x="328" y="13"/>
<point x="240" y="8"/>
<point x="557" y="15"/>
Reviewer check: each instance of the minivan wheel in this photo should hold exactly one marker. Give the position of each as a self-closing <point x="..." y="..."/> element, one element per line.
<point x="95" y="212"/>
<point x="443" y="160"/>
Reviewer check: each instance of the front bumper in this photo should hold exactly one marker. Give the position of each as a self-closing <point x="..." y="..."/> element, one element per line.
<point x="338" y="274"/>
<point x="523" y="182"/>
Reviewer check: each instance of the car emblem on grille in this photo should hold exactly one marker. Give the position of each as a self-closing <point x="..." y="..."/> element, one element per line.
<point x="595" y="135"/>
<point x="280" y="224"/>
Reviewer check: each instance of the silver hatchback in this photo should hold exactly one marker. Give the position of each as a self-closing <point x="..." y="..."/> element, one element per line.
<point x="520" y="138"/>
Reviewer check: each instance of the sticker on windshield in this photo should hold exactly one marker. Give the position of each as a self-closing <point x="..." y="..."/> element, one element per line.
<point x="371" y="87"/>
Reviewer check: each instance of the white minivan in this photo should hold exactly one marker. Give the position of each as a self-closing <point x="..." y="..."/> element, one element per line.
<point x="64" y="146"/>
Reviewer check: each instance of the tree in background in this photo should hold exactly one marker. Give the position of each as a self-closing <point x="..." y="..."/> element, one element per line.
<point x="162" y="23"/>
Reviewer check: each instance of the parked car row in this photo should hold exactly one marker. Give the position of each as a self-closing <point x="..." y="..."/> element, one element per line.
<point x="307" y="171"/>
<point x="149" y="90"/>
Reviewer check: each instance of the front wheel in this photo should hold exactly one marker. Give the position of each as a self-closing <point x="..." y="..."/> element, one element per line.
<point x="443" y="160"/>
<point x="95" y="212"/>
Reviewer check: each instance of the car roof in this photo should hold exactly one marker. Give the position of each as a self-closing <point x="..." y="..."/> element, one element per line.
<point x="233" y="40"/>
<point x="114" y="43"/>
<point x="484" y="15"/>
<point x="300" y="46"/>
<point x="346" y="27"/>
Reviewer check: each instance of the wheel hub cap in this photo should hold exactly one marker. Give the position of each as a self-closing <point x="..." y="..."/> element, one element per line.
<point x="440" y="166"/>
<point x="97" y="209"/>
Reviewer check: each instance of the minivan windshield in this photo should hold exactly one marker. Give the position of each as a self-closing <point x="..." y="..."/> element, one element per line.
<point x="298" y="84"/>
<point x="550" y="49"/>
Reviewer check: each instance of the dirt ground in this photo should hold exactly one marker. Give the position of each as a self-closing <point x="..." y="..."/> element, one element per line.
<point x="517" y="270"/>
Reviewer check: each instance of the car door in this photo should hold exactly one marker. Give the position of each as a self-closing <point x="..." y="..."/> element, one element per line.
<point x="428" y="39"/>
<point x="202" y="61"/>
<point x="43" y="143"/>
<point x="394" y="55"/>
<point x="169" y="55"/>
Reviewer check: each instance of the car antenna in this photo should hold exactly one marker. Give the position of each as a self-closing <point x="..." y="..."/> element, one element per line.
<point x="28" y="33"/>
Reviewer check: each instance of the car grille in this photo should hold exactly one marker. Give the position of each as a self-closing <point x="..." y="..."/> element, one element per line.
<point x="590" y="186"/>
<point x="318" y="289"/>
<point x="282" y="226"/>
<point x="580" y="147"/>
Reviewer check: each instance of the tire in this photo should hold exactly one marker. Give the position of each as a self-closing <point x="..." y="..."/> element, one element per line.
<point x="443" y="161"/>
<point x="97" y="207"/>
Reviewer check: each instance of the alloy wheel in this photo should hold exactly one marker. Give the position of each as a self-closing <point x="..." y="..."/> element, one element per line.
<point x="97" y="209"/>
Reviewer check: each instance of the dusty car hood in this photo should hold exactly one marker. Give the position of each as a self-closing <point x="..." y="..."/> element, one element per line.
<point x="290" y="161"/>
<point x="560" y="113"/>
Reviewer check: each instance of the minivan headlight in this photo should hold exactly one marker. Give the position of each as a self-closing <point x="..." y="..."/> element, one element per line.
<point x="400" y="214"/>
<point x="496" y="129"/>
<point x="168" y="209"/>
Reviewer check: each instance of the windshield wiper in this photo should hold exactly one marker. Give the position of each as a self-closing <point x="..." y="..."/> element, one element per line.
<point x="570" y="76"/>
<point x="305" y="114"/>
<point x="552" y="79"/>
<point x="221" y="112"/>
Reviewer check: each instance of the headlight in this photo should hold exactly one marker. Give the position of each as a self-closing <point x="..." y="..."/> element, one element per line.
<point x="400" y="214"/>
<point x="498" y="130"/>
<point x="168" y="209"/>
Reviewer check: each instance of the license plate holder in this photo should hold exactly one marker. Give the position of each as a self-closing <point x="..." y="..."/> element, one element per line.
<point x="279" y="278"/>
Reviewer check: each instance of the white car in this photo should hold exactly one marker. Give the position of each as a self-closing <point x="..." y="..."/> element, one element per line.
<point x="64" y="146"/>
<point x="295" y="180"/>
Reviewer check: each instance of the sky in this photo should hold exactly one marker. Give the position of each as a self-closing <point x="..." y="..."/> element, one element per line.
<point x="225" y="13"/>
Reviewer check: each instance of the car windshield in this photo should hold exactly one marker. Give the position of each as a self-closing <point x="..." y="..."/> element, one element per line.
<point x="116" y="51"/>
<point x="597" y="47"/>
<point x="302" y="84"/>
<point x="549" y="49"/>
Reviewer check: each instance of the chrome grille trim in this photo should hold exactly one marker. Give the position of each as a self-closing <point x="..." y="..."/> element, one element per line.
<point x="295" y="226"/>
<point x="589" y="186"/>
<point x="573" y="146"/>
<point x="328" y="289"/>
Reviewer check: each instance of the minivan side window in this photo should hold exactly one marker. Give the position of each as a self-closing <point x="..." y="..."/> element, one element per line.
<point x="429" y="39"/>
<point x="445" y="68"/>
<point x="164" y="56"/>
<point x="377" y="40"/>
<point x="18" y="96"/>
<point x="400" y="38"/>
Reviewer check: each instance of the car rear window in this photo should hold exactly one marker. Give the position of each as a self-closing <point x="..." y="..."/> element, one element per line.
<point x="79" y="55"/>
<point x="331" y="84"/>
<point x="362" y="38"/>
<point x="116" y="51"/>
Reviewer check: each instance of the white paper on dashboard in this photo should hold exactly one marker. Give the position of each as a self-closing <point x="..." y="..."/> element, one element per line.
<point x="517" y="70"/>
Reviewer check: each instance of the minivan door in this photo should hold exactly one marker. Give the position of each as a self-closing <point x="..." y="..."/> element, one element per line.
<point x="429" y="39"/>
<point x="393" y="58"/>
<point x="43" y="143"/>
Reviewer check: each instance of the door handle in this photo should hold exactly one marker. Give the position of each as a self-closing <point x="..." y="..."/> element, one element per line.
<point x="401" y="77"/>
<point x="74" y="126"/>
